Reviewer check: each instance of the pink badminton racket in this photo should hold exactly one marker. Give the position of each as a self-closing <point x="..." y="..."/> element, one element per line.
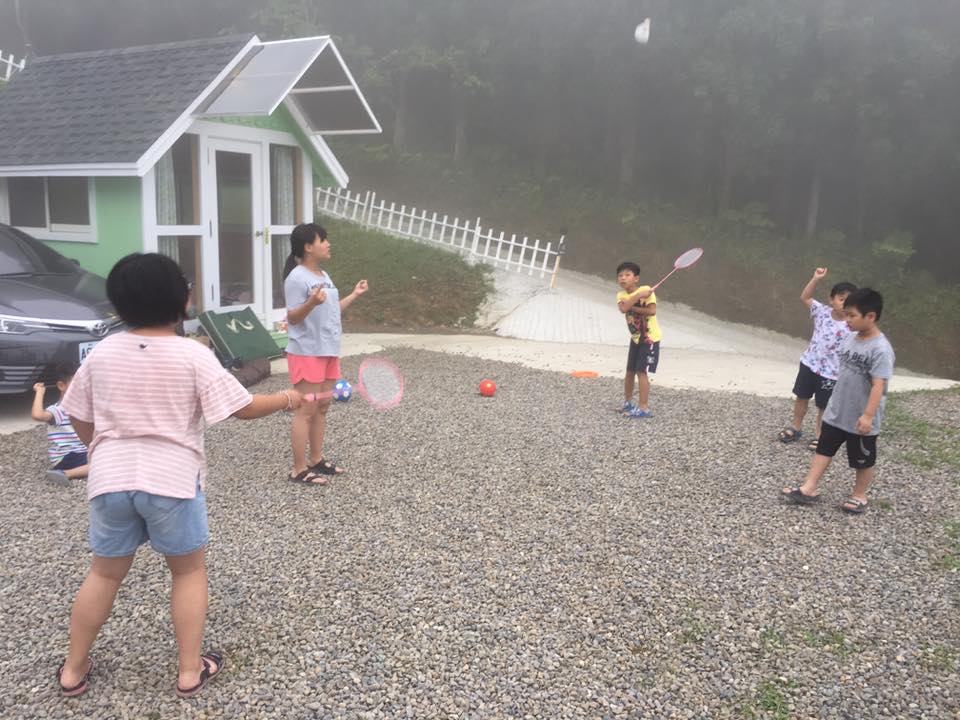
<point x="379" y="382"/>
<point x="684" y="261"/>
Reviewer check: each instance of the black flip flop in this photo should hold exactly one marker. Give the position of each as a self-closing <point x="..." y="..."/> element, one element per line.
<point x="789" y="435"/>
<point x="80" y="688"/>
<point x="214" y="656"/>
<point x="798" y="496"/>
<point x="325" y="467"/>
<point x="306" y="477"/>
<point x="859" y="506"/>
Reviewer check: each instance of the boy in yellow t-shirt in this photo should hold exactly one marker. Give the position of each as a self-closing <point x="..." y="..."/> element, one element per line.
<point x="639" y="304"/>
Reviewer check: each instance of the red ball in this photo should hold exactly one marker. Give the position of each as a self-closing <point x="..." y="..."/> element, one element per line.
<point x="487" y="388"/>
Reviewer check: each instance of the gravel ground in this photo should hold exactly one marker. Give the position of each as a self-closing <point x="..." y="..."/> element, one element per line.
<point x="530" y="555"/>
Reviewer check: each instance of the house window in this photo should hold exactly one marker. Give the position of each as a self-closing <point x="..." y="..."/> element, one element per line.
<point x="54" y="204"/>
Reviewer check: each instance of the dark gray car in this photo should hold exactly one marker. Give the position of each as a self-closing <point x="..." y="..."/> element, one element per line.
<point x="51" y="311"/>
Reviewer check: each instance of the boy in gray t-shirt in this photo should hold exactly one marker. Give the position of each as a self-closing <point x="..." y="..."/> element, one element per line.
<point x="855" y="411"/>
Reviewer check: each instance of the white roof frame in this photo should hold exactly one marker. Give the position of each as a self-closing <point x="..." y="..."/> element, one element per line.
<point x="270" y="77"/>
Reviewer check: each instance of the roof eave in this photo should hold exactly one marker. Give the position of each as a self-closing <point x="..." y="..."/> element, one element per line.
<point x="72" y="170"/>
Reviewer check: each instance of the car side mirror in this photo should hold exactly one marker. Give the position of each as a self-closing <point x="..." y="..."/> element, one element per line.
<point x="75" y="261"/>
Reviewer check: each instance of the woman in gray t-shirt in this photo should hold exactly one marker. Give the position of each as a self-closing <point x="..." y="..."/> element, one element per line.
<point x="313" y="347"/>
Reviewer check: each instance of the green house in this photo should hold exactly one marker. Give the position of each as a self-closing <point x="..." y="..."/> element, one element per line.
<point x="208" y="151"/>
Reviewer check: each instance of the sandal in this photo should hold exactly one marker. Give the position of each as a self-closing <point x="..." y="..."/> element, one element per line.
<point x="796" y="495"/>
<point x="789" y="434"/>
<point x="855" y="507"/>
<point x="80" y="688"/>
<point x="307" y="477"/>
<point x="812" y="445"/>
<point x="324" y="467"/>
<point x="211" y="656"/>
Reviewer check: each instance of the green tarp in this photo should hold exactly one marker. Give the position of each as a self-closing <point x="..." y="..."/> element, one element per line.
<point x="239" y="335"/>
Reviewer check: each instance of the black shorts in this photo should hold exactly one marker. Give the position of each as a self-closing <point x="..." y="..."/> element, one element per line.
<point x="808" y="384"/>
<point x="71" y="461"/>
<point x="643" y="357"/>
<point x="861" y="449"/>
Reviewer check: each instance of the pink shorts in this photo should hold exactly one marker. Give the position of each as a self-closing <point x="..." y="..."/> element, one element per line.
<point x="312" y="369"/>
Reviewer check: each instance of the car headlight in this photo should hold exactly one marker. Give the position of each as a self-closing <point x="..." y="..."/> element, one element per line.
<point x="13" y="325"/>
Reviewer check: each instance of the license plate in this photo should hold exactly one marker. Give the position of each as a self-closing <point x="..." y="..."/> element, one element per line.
<point x="85" y="348"/>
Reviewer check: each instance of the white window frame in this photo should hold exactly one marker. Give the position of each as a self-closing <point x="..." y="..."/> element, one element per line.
<point x="58" y="232"/>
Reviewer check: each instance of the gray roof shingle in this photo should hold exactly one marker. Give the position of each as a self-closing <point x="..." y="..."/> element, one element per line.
<point x="107" y="106"/>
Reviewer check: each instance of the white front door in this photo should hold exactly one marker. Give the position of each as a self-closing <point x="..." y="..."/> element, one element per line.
<point x="235" y="259"/>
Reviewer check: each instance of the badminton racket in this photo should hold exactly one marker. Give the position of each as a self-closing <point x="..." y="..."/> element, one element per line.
<point x="684" y="261"/>
<point x="379" y="382"/>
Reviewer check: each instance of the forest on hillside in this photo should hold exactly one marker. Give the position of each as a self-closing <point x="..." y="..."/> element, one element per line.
<point x="832" y="123"/>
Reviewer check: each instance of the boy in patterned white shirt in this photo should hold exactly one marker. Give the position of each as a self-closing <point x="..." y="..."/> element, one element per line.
<point x="819" y="364"/>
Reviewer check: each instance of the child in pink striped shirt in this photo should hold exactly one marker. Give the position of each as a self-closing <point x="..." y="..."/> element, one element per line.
<point x="140" y="402"/>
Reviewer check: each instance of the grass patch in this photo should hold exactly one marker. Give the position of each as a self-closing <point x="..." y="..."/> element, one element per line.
<point x="693" y="631"/>
<point x="932" y="445"/>
<point x="833" y="641"/>
<point x="883" y="504"/>
<point x="951" y="558"/>
<point x="412" y="286"/>
<point x="939" y="658"/>
<point x="771" y="701"/>
<point x="770" y="640"/>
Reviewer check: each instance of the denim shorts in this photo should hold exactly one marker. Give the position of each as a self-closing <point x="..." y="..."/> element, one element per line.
<point x="120" y="522"/>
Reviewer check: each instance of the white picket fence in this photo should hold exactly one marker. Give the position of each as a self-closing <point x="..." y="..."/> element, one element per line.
<point x="426" y="226"/>
<point x="9" y="65"/>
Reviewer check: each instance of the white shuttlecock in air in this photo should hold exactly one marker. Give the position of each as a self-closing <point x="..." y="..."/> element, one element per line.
<point x="642" y="33"/>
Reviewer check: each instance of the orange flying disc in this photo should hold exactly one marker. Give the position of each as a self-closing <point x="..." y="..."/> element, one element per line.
<point x="584" y="374"/>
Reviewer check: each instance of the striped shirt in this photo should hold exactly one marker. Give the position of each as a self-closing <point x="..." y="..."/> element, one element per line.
<point x="149" y="399"/>
<point x="63" y="438"/>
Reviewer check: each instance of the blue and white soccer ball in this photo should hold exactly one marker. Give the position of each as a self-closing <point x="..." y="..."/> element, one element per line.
<point x="342" y="390"/>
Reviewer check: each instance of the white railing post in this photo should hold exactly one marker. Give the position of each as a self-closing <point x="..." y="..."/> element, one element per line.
<point x="476" y="238"/>
<point x="363" y="213"/>
<point x="523" y="251"/>
<point x="556" y="263"/>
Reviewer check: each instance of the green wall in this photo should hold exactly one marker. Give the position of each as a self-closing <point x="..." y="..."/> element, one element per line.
<point x="283" y="121"/>
<point x="119" y="226"/>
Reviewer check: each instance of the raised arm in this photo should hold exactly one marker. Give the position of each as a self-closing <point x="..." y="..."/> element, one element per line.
<point x="806" y="297"/>
<point x="37" y="411"/>
<point x="358" y="290"/>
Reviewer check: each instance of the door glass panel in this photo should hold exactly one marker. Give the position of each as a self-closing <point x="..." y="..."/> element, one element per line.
<point x="235" y="219"/>
<point x="185" y="249"/>
<point x="285" y="186"/>
<point x="279" y="251"/>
